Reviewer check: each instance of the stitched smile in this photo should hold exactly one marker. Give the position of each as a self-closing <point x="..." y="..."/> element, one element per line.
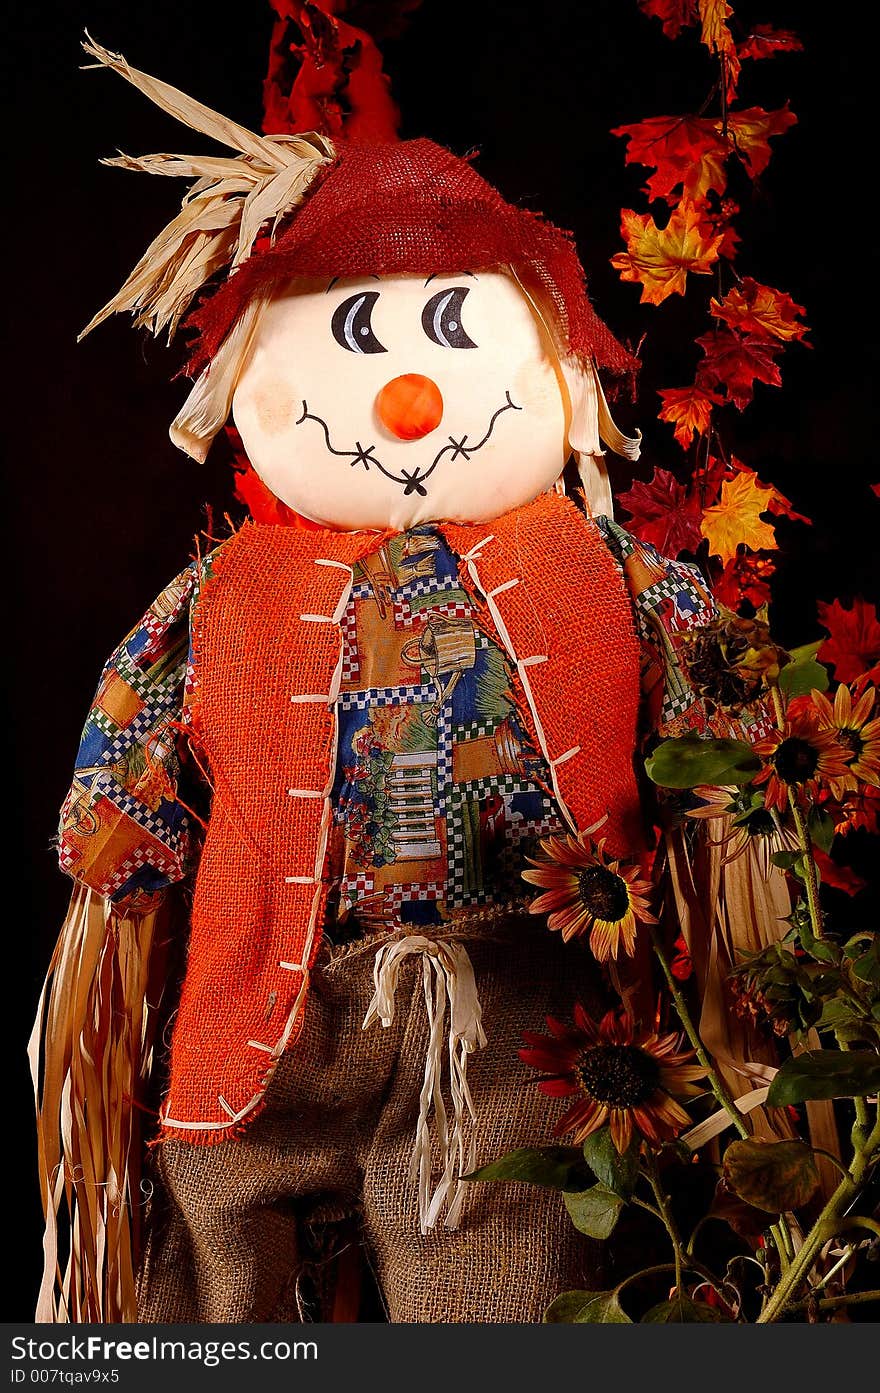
<point x="412" y="481"/>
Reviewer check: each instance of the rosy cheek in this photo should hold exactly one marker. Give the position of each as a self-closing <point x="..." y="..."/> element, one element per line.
<point x="273" y="407"/>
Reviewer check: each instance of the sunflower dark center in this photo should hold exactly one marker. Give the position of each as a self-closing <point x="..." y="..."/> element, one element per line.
<point x="795" y="760"/>
<point x="851" y="740"/>
<point x="620" y="1075"/>
<point x="761" y="824"/>
<point x="603" y="893"/>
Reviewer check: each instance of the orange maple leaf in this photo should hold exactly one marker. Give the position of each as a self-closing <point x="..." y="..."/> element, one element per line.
<point x="684" y="151"/>
<point x="717" y="37"/>
<point x="689" y="410"/>
<point x="749" y="133"/>
<point x="736" y="518"/>
<point x="660" y="258"/>
<point x="760" y="310"/>
<point x="776" y="500"/>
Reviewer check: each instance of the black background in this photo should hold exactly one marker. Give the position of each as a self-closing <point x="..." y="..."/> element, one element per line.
<point x="105" y="508"/>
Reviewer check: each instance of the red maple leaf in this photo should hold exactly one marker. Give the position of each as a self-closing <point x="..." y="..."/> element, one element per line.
<point x="837" y="876"/>
<point x="684" y="151"/>
<point x="734" y="363"/>
<point x="854" y="642"/>
<point x="663" y="513"/>
<point x="746" y="577"/>
<point x="674" y="15"/>
<point x="721" y="220"/>
<point x="765" y="42"/>
<point x="689" y="410"/>
<point x="759" y="310"/>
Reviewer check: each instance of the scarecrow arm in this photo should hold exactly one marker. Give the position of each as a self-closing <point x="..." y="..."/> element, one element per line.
<point x="124" y="830"/>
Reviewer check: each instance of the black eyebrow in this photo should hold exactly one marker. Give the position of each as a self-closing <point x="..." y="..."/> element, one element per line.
<point x="372" y="276"/>
<point x="434" y="274"/>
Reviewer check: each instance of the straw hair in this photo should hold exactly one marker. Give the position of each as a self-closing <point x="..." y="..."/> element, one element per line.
<point x="90" y="1054"/>
<point x="231" y="199"/>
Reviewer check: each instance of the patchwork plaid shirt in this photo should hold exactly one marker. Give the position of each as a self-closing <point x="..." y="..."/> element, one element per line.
<point x="438" y="792"/>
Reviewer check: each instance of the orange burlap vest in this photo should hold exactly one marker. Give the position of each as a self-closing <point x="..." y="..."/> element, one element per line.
<point x="267" y="664"/>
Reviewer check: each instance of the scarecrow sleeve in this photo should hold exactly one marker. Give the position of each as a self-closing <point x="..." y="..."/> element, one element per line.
<point x="722" y="898"/>
<point x="125" y="831"/>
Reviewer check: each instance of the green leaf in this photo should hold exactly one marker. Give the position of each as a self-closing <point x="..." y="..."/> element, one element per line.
<point x="686" y="762"/>
<point x="802" y="676"/>
<point x="586" y="1308"/>
<point x="865" y="956"/>
<point x="771" y="1175"/>
<point x="682" y="1311"/>
<point x="555" y="1167"/>
<point x="821" y="825"/>
<point x="785" y="860"/>
<point x="594" y="1211"/>
<point x="805" y="651"/>
<point x="825" y="1074"/>
<point x="618" y="1173"/>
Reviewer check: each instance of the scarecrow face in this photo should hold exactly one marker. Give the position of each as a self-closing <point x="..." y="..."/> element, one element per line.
<point x="387" y="402"/>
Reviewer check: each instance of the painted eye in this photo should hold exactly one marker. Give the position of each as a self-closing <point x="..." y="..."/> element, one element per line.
<point x="441" y="318"/>
<point x="350" y="325"/>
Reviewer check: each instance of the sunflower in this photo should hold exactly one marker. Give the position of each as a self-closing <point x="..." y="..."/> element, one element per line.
<point x="800" y="756"/>
<point x="730" y="660"/>
<point x="585" y="889"/>
<point x="752" y="824"/>
<point x="625" y="1077"/>
<point x="855" y="728"/>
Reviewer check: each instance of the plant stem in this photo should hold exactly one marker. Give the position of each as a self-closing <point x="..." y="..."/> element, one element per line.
<point x="830" y="1303"/>
<point x="649" y="1209"/>
<point x="668" y="1267"/>
<point x="666" y="1212"/>
<point x="804" y="840"/>
<point x="861" y="1221"/>
<point x="810" y="883"/>
<point x="718" y="1087"/>
<point x="826" y="1226"/>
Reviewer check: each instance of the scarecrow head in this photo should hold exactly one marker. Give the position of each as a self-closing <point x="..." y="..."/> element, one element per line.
<point x="394" y="342"/>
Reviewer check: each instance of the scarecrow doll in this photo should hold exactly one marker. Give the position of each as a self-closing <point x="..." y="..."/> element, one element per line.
<point x="314" y="773"/>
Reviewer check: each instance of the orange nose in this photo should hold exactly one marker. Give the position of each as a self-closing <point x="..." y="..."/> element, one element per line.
<point x="410" y="406"/>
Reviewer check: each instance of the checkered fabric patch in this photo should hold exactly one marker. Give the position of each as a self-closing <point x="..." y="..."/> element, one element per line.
<point x="354" y="887"/>
<point x="497" y="783"/>
<point x="406" y="618"/>
<point x="152" y="822"/>
<point x="139" y="730"/>
<point x="386" y="696"/>
<point x="142" y="856"/>
<point x="414" y="893"/>
<point x="677" y="704"/>
<point x="473" y="730"/>
<point x="351" y="668"/>
<point x="413" y="589"/>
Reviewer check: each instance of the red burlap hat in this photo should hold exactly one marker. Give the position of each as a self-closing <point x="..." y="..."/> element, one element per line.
<point x="411" y="206"/>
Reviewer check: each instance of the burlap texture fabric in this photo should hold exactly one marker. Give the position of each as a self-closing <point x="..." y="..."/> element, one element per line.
<point x="411" y="206"/>
<point x="267" y="670"/>
<point x="234" y="1228"/>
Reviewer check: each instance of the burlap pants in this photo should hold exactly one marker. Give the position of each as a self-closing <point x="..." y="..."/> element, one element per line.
<point x="232" y="1225"/>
